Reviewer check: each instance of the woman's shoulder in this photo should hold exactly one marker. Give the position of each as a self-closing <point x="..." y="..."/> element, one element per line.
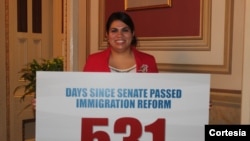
<point x="97" y="62"/>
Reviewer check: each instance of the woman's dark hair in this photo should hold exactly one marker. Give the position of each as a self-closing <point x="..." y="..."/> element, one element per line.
<point x="124" y="17"/>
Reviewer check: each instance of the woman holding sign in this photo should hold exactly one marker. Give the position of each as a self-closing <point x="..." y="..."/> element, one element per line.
<point x="121" y="54"/>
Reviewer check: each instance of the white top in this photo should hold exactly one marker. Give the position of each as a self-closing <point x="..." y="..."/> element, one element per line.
<point x="128" y="70"/>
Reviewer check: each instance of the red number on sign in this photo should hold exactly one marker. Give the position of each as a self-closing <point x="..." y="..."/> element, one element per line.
<point x="120" y="126"/>
<point x="157" y="129"/>
<point x="87" y="129"/>
<point x="135" y="128"/>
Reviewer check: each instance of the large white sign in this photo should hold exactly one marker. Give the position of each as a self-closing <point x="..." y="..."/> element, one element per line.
<point x="82" y="106"/>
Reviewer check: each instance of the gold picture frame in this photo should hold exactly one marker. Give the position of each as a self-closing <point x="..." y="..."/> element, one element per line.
<point x="197" y="47"/>
<point x="146" y="4"/>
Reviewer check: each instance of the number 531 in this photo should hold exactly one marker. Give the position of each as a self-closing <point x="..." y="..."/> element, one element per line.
<point x="157" y="129"/>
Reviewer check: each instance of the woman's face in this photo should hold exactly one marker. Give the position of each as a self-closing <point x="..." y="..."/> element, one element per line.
<point x="119" y="36"/>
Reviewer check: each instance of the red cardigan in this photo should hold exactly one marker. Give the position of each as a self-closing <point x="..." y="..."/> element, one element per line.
<point x="98" y="62"/>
